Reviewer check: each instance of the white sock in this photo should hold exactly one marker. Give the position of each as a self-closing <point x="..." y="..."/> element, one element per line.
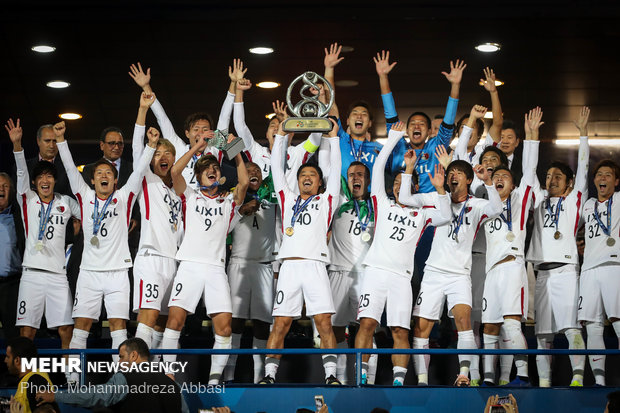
<point x="465" y="341"/>
<point x="372" y="365"/>
<point x="543" y="362"/>
<point x="341" y="363"/>
<point x="595" y="341"/>
<point x="575" y="341"/>
<point x="78" y="341"/>
<point x="616" y="326"/>
<point x="399" y="374"/>
<point x="489" y="360"/>
<point x="512" y="330"/>
<point x="170" y="341"/>
<point x="218" y="362"/>
<point x="156" y="339"/>
<point x="474" y="369"/>
<point x="329" y="364"/>
<point x="271" y="366"/>
<point x="259" y="359"/>
<point x="229" y="371"/>
<point x="505" y="360"/>
<point x="421" y="361"/>
<point x="118" y="337"/>
<point x="145" y="333"/>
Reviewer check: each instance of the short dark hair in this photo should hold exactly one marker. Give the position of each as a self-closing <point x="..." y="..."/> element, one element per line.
<point x="479" y="123"/>
<point x="108" y="130"/>
<point x="205" y="163"/>
<point x="503" y="159"/>
<point x="363" y="104"/>
<point x="103" y="161"/>
<point x="435" y="117"/>
<point x="503" y="167"/>
<point x="463" y="166"/>
<point x="138" y="345"/>
<point x="44" y="167"/>
<point x="609" y="164"/>
<point x="358" y="163"/>
<point x="195" y="117"/>
<point x="424" y="115"/>
<point x="22" y="347"/>
<point x="564" y="168"/>
<point x="614" y="402"/>
<point x="509" y="124"/>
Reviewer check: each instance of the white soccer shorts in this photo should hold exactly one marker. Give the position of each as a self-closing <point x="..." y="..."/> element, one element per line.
<point x="299" y="281"/>
<point x="346" y="291"/>
<point x="557" y="293"/>
<point x="383" y="289"/>
<point x="251" y="290"/>
<point x="43" y="292"/>
<point x="505" y="292"/>
<point x="110" y="286"/>
<point x="152" y="282"/>
<point x="599" y="293"/>
<point x="195" y="280"/>
<point x="438" y="287"/>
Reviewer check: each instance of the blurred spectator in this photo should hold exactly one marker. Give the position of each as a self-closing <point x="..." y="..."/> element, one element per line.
<point x="496" y="404"/>
<point x="613" y="402"/>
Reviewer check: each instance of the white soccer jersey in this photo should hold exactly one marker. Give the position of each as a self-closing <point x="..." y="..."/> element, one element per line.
<point x="161" y="216"/>
<point x="473" y="157"/>
<point x="207" y="223"/>
<point x="498" y="245"/>
<point x="544" y="247"/>
<point x="254" y="236"/>
<point x="181" y="147"/>
<point x="598" y="252"/>
<point x="347" y="248"/>
<point x="52" y="256"/>
<point x="311" y="223"/>
<point x="110" y="251"/>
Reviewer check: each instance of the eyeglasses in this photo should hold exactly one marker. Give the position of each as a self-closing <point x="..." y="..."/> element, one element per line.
<point x="120" y="144"/>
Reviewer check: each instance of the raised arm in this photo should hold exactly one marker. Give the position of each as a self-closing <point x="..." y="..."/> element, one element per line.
<point x="442" y="213"/>
<point x="176" y="172"/>
<point x="324" y="157"/>
<point x="496" y="107"/>
<point x="331" y="60"/>
<point x="335" y="161"/>
<point x="477" y="112"/>
<point x="454" y="77"/>
<point x="243" y="180"/>
<point x="581" y="176"/>
<point x="419" y="200"/>
<point x="278" y="157"/>
<point x="495" y="206"/>
<point x="377" y="184"/>
<point x="235" y="73"/>
<point x="239" y="114"/>
<point x="140" y="166"/>
<point x="383" y="68"/>
<point x="532" y="125"/>
<point x="137" y="144"/>
<point x="15" y="134"/>
<point x="75" y="177"/>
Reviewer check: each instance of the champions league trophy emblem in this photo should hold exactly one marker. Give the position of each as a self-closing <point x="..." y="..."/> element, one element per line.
<point x="310" y="113"/>
<point x="230" y="149"/>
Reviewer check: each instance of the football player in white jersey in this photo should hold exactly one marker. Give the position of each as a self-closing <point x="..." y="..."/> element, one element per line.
<point x="599" y="284"/>
<point x="43" y="286"/>
<point x="449" y="279"/>
<point x="553" y="251"/>
<point x="388" y="265"/>
<point x="105" y="212"/>
<point x="209" y="216"/>
<point x="160" y="208"/>
<point x="197" y="124"/>
<point x="505" y="287"/>
<point x="304" y="253"/>
<point x="250" y="273"/>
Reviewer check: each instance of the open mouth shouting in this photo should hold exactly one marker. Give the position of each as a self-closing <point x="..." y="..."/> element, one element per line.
<point x="499" y="186"/>
<point x="307" y="183"/>
<point x="105" y="184"/>
<point x="164" y="166"/>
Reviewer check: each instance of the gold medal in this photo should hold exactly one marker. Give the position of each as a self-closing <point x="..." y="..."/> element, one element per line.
<point x="289" y="231"/>
<point x="510" y="236"/>
<point x="611" y="242"/>
<point x="94" y="241"/>
<point x="557" y="235"/>
<point x="39" y="246"/>
<point x="174" y="227"/>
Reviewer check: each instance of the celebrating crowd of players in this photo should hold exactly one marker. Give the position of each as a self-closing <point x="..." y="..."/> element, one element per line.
<point x="322" y="235"/>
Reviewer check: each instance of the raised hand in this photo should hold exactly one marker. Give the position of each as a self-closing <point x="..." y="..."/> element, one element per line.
<point x="483" y="174"/>
<point x="492" y="400"/>
<point x="410" y="158"/>
<point x="489" y="80"/>
<point x="439" y="177"/>
<point x="398" y="126"/>
<point x="582" y="121"/>
<point x="334" y="132"/>
<point x="332" y="57"/>
<point x="478" y="112"/>
<point x="15" y="131"/>
<point x="236" y="72"/>
<point x="456" y="72"/>
<point x="59" y="131"/>
<point x="533" y="123"/>
<point x="244" y="84"/>
<point x="146" y="100"/>
<point x="382" y="63"/>
<point x="137" y="74"/>
<point x="442" y="156"/>
<point x="280" y="110"/>
<point x="153" y="135"/>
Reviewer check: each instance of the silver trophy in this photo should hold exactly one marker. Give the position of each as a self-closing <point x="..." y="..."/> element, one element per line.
<point x="310" y="113"/>
<point x="220" y="141"/>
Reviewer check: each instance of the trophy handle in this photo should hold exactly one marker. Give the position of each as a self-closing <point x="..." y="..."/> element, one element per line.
<point x="310" y="79"/>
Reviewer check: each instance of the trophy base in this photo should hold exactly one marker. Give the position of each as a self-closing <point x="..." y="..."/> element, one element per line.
<point x="307" y="125"/>
<point x="233" y="148"/>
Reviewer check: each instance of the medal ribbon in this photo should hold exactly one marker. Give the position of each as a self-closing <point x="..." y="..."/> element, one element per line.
<point x="366" y="221"/>
<point x="459" y="220"/>
<point x="508" y="220"/>
<point x="297" y="209"/>
<point x="357" y="155"/>
<point x="555" y="218"/>
<point x="98" y="217"/>
<point x="606" y="229"/>
<point x="44" y="217"/>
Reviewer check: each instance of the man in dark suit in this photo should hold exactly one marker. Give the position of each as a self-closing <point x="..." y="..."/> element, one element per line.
<point x="111" y="145"/>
